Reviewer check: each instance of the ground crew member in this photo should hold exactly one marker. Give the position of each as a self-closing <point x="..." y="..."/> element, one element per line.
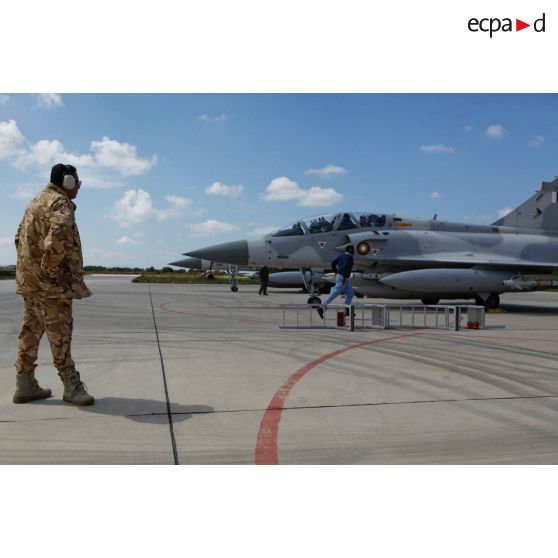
<point x="264" y="279"/>
<point x="342" y="267"/>
<point x="49" y="275"/>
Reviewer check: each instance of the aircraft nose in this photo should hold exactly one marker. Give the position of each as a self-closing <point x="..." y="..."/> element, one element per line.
<point x="191" y="263"/>
<point x="235" y="252"/>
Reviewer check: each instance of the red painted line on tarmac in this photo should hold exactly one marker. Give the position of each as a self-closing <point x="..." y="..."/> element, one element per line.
<point x="228" y="318"/>
<point x="266" y="445"/>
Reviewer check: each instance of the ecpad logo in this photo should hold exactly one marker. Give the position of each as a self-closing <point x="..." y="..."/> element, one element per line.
<point x="493" y="25"/>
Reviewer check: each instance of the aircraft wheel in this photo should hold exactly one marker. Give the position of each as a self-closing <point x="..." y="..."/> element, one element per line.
<point x="428" y="301"/>
<point x="234" y="288"/>
<point x="314" y="300"/>
<point x="493" y="301"/>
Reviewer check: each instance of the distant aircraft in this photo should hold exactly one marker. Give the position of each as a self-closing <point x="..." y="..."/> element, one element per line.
<point x="207" y="266"/>
<point x="400" y="257"/>
<point x="279" y="280"/>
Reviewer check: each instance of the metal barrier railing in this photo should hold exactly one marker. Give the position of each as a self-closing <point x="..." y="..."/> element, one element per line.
<point x="384" y="316"/>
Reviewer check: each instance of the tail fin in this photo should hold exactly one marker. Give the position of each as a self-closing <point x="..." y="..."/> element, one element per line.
<point x="540" y="211"/>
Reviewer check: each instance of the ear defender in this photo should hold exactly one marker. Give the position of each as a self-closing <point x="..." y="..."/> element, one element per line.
<point x="64" y="176"/>
<point x="69" y="182"/>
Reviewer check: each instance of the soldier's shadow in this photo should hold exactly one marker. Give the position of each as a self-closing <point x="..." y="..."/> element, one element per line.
<point x="146" y="411"/>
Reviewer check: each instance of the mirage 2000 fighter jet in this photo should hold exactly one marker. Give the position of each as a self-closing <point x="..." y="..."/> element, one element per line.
<point x="400" y="257"/>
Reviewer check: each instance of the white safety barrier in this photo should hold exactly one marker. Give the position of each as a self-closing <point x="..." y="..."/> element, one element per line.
<point x="385" y="316"/>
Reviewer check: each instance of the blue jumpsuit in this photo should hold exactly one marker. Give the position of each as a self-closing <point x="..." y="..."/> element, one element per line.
<point x="342" y="266"/>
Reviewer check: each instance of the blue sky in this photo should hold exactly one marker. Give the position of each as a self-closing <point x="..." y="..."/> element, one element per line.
<point x="164" y="174"/>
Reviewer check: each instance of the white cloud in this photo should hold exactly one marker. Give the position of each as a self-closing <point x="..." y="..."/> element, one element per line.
<point x="537" y="141"/>
<point x="319" y="197"/>
<point x="284" y="189"/>
<point x="218" y="189"/>
<point x="10" y="139"/>
<point x="468" y="128"/>
<point x="25" y="193"/>
<point x="122" y="241"/>
<point x="107" y="164"/>
<point x="436" y="148"/>
<point x="4" y="99"/>
<point x="45" y="153"/>
<point x="211" y="227"/>
<point x="179" y="202"/>
<point x="48" y="100"/>
<point x="435" y="195"/>
<point x="326" y="171"/>
<point x="504" y="212"/>
<point x="208" y="118"/>
<point x="121" y="157"/>
<point x="6" y="241"/>
<point x="136" y="206"/>
<point x="496" y="131"/>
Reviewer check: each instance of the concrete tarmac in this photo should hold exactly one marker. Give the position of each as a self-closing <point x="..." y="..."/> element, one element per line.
<point x="196" y="374"/>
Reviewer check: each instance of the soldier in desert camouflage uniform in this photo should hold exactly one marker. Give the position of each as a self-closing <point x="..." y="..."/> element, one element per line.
<point x="49" y="275"/>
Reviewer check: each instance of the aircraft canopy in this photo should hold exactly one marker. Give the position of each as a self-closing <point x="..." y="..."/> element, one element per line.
<point x="332" y="221"/>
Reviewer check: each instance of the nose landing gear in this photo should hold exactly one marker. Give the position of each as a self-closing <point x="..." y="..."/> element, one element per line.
<point x="311" y="288"/>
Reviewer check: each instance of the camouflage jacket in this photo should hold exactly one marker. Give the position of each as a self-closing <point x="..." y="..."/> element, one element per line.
<point x="47" y="243"/>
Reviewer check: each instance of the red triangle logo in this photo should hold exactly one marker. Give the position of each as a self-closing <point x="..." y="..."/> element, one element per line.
<point x="519" y="25"/>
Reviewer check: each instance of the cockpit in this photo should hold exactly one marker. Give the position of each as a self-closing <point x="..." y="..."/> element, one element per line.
<point x="332" y="222"/>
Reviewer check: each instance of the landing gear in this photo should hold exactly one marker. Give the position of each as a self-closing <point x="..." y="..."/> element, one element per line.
<point x="311" y="288"/>
<point x="430" y="301"/>
<point x="233" y="270"/>
<point x="492" y="301"/>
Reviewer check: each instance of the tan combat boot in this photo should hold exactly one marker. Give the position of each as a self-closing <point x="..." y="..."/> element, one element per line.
<point x="75" y="391"/>
<point x="28" y="389"/>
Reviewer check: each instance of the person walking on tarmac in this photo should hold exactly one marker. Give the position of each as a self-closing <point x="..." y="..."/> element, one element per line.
<point x="264" y="279"/>
<point x="342" y="267"/>
<point x="49" y="275"/>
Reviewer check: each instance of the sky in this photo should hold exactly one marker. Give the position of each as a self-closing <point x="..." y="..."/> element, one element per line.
<point x="167" y="173"/>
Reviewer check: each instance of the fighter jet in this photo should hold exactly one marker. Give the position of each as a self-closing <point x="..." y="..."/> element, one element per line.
<point x="401" y="257"/>
<point x="207" y="266"/>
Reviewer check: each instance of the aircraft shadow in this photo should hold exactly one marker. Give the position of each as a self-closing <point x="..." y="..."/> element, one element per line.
<point x="529" y="309"/>
<point x="135" y="409"/>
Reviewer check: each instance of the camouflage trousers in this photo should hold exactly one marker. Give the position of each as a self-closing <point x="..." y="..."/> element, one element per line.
<point x="53" y="315"/>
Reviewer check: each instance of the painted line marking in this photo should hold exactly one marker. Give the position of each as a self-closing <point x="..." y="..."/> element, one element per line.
<point x="167" y="399"/>
<point x="266" y="445"/>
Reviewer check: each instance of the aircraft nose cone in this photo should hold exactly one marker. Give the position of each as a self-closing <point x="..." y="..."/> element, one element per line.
<point x="235" y="252"/>
<point x="191" y="263"/>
